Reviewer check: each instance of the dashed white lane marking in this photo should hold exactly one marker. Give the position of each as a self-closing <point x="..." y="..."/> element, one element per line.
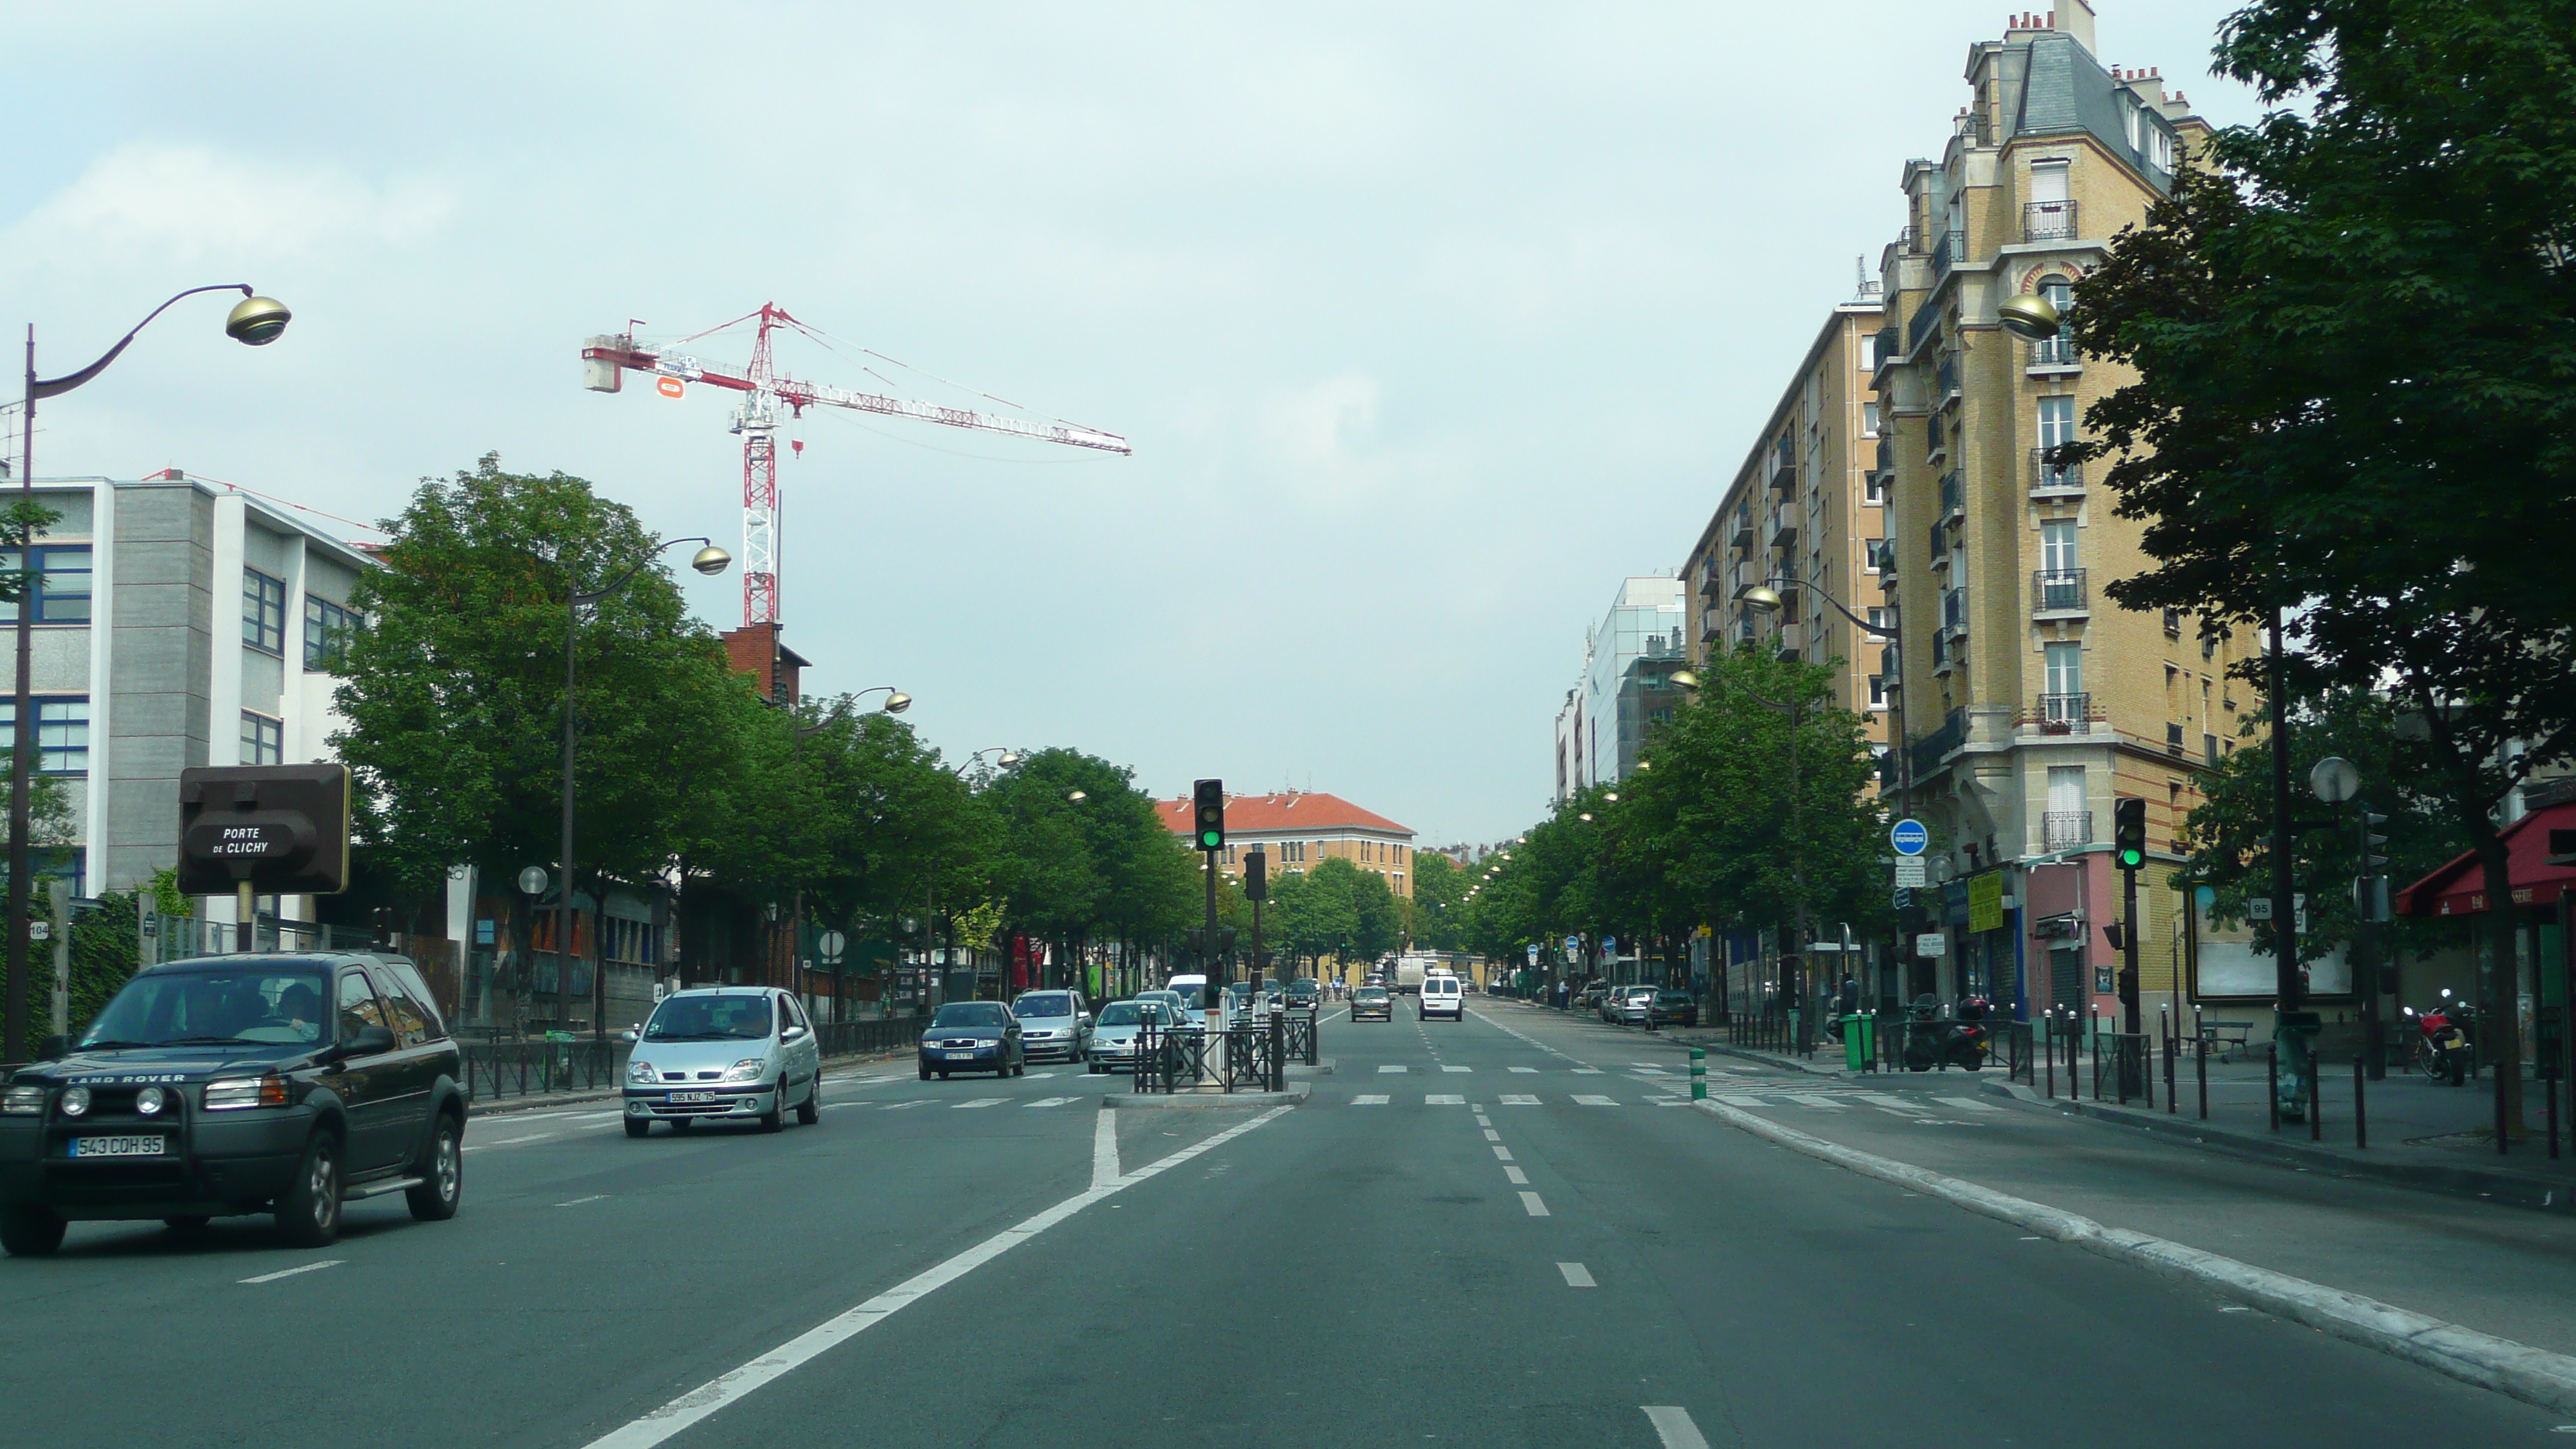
<point x="982" y="1102"/>
<point x="1502" y="1153"/>
<point x="1512" y="1101"/>
<point x="1104" y="1149"/>
<point x="1443" y="1099"/>
<point x="1673" y="1425"/>
<point x="1970" y="1104"/>
<point x="291" y="1272"/>
<point x="1391" y="1069"/>
<point x="1457" y="1069"/>
<point x="1524" y="1071"/>
<point x="1514" y="1174"/>
<point x="1053" y="1101"/>
<point x="1484" y="1121"/>
<point x="1595" y="1102"/>
<point x="1576" y="1275"/>
<point x="1535" y="1208"/>
<point x="1369" y="1099"/>
<point x="725" y="1388"/>
<point x="576" y="1202"/>
<point x="1493" y="1136"/>
<point x="915" y="1102"/>
<point x="511" y="1141"/>
<point x="1587" y="1071"/>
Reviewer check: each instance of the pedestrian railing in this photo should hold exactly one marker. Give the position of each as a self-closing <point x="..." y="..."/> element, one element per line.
<point x="849" y="1038"/>
<point x="1304" y="1038"/>
<point x="1252" y="1057"/>
<point x="498" y="1069"/>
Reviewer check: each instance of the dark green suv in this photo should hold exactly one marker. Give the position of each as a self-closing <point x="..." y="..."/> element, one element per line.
<point x="285" y="1084"/>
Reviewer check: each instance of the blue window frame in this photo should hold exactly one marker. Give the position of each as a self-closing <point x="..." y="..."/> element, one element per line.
<point x="62" y="732"/>
<point x="62" y="588"/>
<point x="328" y="628"/>
<point x="263" y="611"/>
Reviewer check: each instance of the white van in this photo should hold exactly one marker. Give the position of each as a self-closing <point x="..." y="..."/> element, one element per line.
<point x="1190" y="985"/>
<point x="1443" y="995"/>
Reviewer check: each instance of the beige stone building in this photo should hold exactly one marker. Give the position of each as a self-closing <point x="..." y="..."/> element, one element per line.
<point x="2029" y="703"/>
<point x="1805" y="514"/>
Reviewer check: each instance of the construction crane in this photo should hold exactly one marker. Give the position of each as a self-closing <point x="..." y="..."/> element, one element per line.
<point x="607" y="359"/>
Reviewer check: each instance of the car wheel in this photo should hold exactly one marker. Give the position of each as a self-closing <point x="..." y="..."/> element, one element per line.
<point x="638" y="1126"/>
<point x="925" y="1074"/>
<point x="443" y="1174"/>
<point x="308" y="1216"/>
<point x="775" y="1119"/>
<point x="810" y="1111"/>
<point x="30" y="1232"/>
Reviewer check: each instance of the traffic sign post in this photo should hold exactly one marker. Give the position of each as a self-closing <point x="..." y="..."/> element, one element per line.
<point x="1909" y="837"/>
<point x="245" y="830"/>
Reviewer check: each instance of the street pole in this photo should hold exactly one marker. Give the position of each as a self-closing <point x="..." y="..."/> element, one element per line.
<point x="22" y="747"/>
<point x="2285" y="935"/>
<point x="563" y="886"/>
<point x="1211" y="991"/>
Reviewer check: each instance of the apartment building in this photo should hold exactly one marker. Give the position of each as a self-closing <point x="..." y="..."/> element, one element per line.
<point x="2030" y="703"/>
<point x="1301" y="829"/>
<point x="1625" y="686"/>
<point x="1806" y="514"/>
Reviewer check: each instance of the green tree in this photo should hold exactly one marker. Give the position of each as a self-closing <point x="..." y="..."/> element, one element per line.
<point x="1439" y="902"/>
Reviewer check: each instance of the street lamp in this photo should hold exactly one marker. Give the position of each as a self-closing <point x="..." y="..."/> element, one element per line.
<point x="896" y="701"/>
<point x="709" y="560"/>
<point x="1076" y="796"/>
<point x="255" y="321"/>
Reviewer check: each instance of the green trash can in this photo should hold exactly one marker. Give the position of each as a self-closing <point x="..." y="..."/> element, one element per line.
<point x="1860" y="1040"/>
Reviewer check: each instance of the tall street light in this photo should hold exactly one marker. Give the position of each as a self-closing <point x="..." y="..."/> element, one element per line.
<point x="708" y="560"/>
<point x="255" y="321"/>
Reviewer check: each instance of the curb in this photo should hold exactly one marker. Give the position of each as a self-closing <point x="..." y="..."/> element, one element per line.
<point x="1294" y="1096"/>
<point x="2504" y="1189"/>
<point x="2533" y="1375"/>
<point x="1323" y="1067"/>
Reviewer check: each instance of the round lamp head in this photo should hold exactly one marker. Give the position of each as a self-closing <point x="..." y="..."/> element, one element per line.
<point x="1586" y="816"/>
<point x="898" y="702"/>
<point x="1610" y="795"/>
<point x="2030" y="317"/>
<point x="1760" y="598"/>
<point x="1077" y="796"/>
<point x="711" y="560"/>
<point x="532" y="881"/>
<point x="2335" y="780"/>
<point x="1008" y="759"/>
<point x="256" y="321"/>
<point x="1684" y="678"/>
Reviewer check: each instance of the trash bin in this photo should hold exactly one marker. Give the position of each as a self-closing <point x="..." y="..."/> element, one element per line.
<point x="1860" y="1041"/>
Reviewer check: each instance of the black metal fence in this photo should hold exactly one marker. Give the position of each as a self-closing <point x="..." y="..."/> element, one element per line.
<point x="497" y="1069"/>
<point x="1250" y="1057"/>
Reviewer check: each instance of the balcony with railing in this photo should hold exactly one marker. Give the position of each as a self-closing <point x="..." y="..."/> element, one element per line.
<point x="1886" y="455"/>
<point x="1925" y="321"/>
<point x="1945" y="379"/>
<point x="1954" y="494"/>
<point x="1928" y="752"/>
<point x="2047" y="221"/>
<point x="2058" y="592"/>
<point x="2055" y="354"/>
<point x="1884" y="347"/>
<point x="1937" y="547"/>
<point x="1948" y="252"/>
<point x="2062" y="714"/>
<point x="1954" y="611"/>
<point x="2065" y="829"/>
<point x="2060" y="480"/>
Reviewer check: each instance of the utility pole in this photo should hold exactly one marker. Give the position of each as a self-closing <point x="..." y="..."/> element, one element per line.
<point x="2289" y="1036"/>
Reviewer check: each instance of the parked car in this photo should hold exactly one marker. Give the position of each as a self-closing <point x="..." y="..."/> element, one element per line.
<point x="1636" y="1005"/>
<point x="1372" y="1003"/>
<point x="973" y="1036"/>
<point x="1676" y="1008"/>
<point x="727" y="1053"/>
<point x="1589" y="999"/>
<point x="1611" y="999"/>
<point x="1442" y="996"/>
<point x="1053" y="1025"/>
<point x="285" y="1084"/>
<point x="1113" y="1037"/>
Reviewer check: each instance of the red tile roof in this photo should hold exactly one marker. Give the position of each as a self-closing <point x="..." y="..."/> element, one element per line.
<point x="1283" y="814"/>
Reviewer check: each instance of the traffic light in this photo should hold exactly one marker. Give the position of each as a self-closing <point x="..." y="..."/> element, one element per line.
<point x="1256" y="875"/>
<point x="2371" y="841"/>
<point x="2113" y="932"/>
<point x="2129" y="833"/>
<point x="1209" y="796"/>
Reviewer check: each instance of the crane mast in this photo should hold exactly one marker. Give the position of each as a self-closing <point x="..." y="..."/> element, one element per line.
<point x="608" y="358"/>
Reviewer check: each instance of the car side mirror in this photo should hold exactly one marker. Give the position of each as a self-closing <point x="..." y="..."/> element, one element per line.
<point x="53" y="1048"/>
<point x="792" y="1033"/>
<point x="370" y="1041"/>
<point x="630" y="1036"/>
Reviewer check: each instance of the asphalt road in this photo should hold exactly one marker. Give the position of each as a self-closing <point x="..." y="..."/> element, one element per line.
<point x="1469" y="1234"/>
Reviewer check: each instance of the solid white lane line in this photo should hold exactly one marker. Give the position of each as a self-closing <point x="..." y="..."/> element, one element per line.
<point x="1369" y="1099"/>
<point x="1502" y="1154"/>
<point x="510" y="1141"/>
<point x="1104" y="1149"/>
<point x="291" y="1272"/>
<point x="1537" y="1209"/>
<point x="1576" y="1275"/>
<point x="576" y="1202"/>
<point x="1514" y="1174"/>
<point x="899" y="1106"/>
<point x="1596" y="1102"/>
<point x="1587" y="1071"/>
<point x="1512" y="1101"/>
<point x="1673" y="1425"/>
<point x="981" y="1102"/>
<point x="704" y="1400"/>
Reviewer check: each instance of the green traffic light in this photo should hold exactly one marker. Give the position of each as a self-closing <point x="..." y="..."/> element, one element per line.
<point x="1211" y="840"/>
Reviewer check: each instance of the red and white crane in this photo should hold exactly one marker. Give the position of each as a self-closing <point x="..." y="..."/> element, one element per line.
<point x="607" y="359"/>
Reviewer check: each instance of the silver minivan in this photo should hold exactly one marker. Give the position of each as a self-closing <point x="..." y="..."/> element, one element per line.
<point x="724" y="1053"/>
<point x="1053" y="1025"/>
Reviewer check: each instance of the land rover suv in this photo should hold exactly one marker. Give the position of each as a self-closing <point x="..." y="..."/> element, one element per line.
<point x="285" y="1084"/>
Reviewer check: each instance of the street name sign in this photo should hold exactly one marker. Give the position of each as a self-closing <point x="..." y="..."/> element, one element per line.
<point x="276" y="829"/>
<point x="1909" y="837"/>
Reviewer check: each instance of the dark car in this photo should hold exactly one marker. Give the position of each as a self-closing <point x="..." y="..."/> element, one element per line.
<point x="1675" y="1008"/>
<point x="1372" y="1003"/>
<point x="1304" y="994"/>
<point x="973" y="1036"/>
<point x="238" y="1084"/>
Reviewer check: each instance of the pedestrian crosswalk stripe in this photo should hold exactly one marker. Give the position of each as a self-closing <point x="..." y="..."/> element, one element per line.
<point x="1050" y="1101"/>
<point x="1457" y="1069"/>
<point x="1441" y="1099"/>
<point x="1595" y="1102"/>
<point x="1391" y="1069"/>
<point x="1587" y="1071"/>
<point x="1970" y="1103"/>
<point x="1891" y="1104"/>
<point x="1737" y="1101"/>
<point x="1369" y="1099"/>
<point x="1526" y="1071"/>
<point x="1512" y="1101"/>
<point x="982" y="1102"/>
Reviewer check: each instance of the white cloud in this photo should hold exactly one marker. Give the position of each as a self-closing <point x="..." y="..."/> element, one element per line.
<point x="147" y="202"/>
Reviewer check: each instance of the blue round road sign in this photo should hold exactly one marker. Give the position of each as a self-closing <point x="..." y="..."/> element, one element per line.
<point x="1909" y="837"/>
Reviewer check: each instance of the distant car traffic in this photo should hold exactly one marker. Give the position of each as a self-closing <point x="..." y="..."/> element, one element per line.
<point x="1184" y="1011"/>
<point x="238" y="1084"/>
<point x="1633" y="1005"/>
<point x="1305" y="993"/>
<point x="739" y="1053"/>
<point x="1372" y="1003"/>
<point x="1442" y="996"/>
<point x="1053" y="1026"/>
<point x="973" y="1036"/>
<point x="1113" y="1037"/>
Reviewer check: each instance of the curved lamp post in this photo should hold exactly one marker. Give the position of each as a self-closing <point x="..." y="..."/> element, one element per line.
<point x="255" y="321"/>
<point x="896" y="701"/>
<point x="709" y="560"/>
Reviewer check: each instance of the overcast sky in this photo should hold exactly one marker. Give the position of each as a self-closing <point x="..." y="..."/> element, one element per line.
<point x="1429" y="322"/>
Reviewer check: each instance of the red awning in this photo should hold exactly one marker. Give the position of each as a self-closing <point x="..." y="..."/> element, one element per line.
<point x="2459" y="888"/>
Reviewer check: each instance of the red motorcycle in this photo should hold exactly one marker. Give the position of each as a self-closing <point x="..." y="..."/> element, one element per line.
<point x="2443" y="1046"/>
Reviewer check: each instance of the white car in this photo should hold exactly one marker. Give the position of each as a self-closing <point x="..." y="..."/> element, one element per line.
<point x="1443" y="996"/>
<point x="728" y="1053"/>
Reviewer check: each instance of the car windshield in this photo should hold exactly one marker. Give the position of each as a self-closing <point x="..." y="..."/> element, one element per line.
<point x="1121" y="1013"/>
<point x="1672" y="997"/>
<point x="709" y="1018"/>
<point x="970" y="1013"/>
<point x="1048" y="1003"/>
<point x="1370" y="993"/>
<point x="225" y="1006"/>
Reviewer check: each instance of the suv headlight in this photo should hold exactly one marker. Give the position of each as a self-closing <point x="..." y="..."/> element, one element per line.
<point x="747" y="1070"/>
<point x="640" y="1070"/>
<point x="231" y="1094"/>
<point x="25" y="1100"/>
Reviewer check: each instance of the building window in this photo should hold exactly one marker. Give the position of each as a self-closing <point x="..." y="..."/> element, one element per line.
<point x="62" y="733"/>
<point x="1877" y="690"/>
<point x="263" y="740"/>
<point x="263" y="611"/>
<point x="1869" y="419"/>
<point x="61" y="587"/>
<point x="328" y="628"/>
<point x="1869" y="554"/>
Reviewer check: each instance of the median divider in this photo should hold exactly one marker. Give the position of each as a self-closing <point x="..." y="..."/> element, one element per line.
<point x="2533" y="1375"/>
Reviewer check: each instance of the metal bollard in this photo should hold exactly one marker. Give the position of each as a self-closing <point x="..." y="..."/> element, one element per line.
<point x="2272" y="1084"/>
<point x="2200" y="1069"/>
<point x="2316" y="1116"/>
<point x="2360" y="1108"/>
<point x="1699" y="1075"/>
